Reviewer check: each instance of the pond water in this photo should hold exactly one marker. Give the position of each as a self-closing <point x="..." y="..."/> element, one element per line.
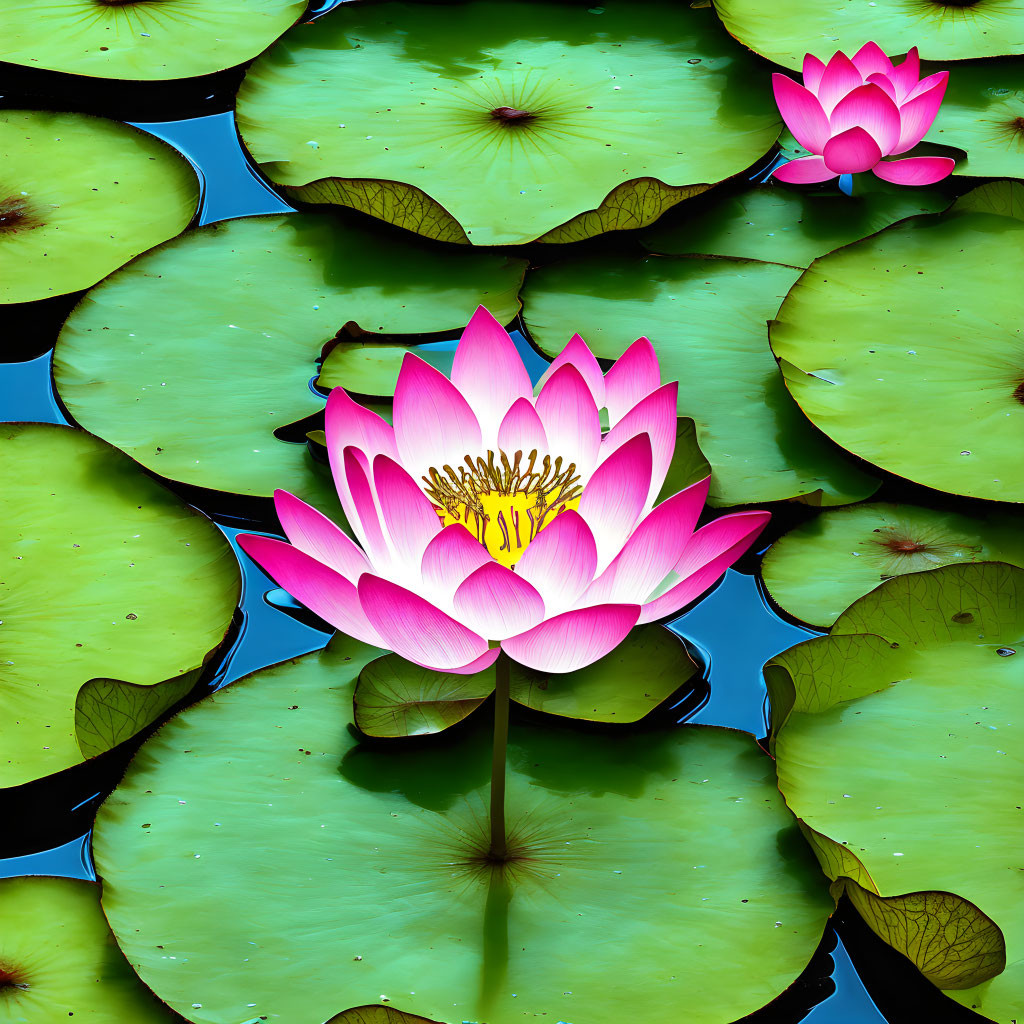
<point x="854" y="979"/>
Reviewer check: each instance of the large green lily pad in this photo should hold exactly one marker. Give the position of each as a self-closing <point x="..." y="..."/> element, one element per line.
<point x="707" y="319"/>
<point x="902" y="754"/>
<point x="819" y="569"/>
<point x="141" y="39"/>
<point x="941" y="29"/>
<point x="191" y="357"/>
<point x="658" y="871"/>
<point x="79" y="197"/>
<point x="507" y="122"/>
<point x="905" y="348"/>
<point x="58" y="960"/>
<point x="107" y="575"/>
<point x="782" y="225"/>
<point x="396" y="698"/>
<point x="983" y="114"/>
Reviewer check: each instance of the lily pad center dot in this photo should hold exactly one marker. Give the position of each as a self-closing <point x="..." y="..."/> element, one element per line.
<point x="511" y="116"/>
<point x="11" y="977"/>
<point x="1018" y="392"/>
<point x="14" y="214"/>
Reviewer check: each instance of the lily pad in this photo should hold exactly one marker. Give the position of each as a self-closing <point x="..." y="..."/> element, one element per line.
<point x="377" y="1015"/>
<point x="669" y="851"/>
<point x="108" y="575"/>
<point x="780" y="225"/>
<point x="79" y="197"/>
<point x="905" y="348"/>
<point x="707" y="320"/>
<point x="819" y="569"/>
<point x="941" y="29"/>
<point x="141" y="39"/>
<point x="59" y="960"/>
<point x="902" y="753"/>
<point x="507" y="122"/>
<point x="983" y="114"/>
<point x="371" y="368"/>
<point x="191" y="357"/>
<point x="396" y="698"/>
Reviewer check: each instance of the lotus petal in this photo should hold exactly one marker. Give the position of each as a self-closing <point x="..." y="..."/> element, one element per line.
<point x="312" y="532"/>
<point x="630" y="379"/>
<point x="804" y="171"/>
<point x="852" y="151"/>
<point x="573" y="639"/>
<point x="577" y="353"/>
<point x="561" y="561"/>
<point x="802" y="113"/>
<point x="870" y="108"/>
<point x="915" y="170"/>
<point x="498" y="603"/>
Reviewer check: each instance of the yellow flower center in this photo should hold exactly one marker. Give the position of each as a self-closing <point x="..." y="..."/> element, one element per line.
<point x="504" y="501"/>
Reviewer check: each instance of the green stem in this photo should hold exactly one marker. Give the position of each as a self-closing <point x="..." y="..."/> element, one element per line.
<point x="499" y="847"/>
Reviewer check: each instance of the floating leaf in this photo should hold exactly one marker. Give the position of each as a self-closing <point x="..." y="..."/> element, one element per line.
<point x="507" y="122"/>
<point x="901" y="752"/>
<point x="941" y="29"/>
<point x="707" y="320"/>
<point x="195" y="389"/>
<point x="110" y="711"/>
<point x="371" y="368"/>
<point x="983" y="114"/>
<point x="108" y="575"/>
<point x="669" y="851"/>
<point x="780" y="225"/>
<point x="60" y="961"/>
<point x="79" y="197"/>
<point x="624" y="686"/>
<point x="377" y="1015"/>
<point x="905" y="348"/>
<point x="823" y="566"/>
<point x="141" y="39"/>
<point x="396" y="698"/>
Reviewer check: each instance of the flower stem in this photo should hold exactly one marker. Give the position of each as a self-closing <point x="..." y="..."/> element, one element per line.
<point x="499" y="846"/>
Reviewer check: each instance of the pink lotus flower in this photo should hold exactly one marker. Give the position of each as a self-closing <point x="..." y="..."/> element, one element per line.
<point x="852" y="113"/>
<point x="487" y="516"/>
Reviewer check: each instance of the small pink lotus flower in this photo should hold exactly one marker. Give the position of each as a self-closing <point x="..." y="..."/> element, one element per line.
<point x="852" y="113"/>
<point x="488" y="519"/>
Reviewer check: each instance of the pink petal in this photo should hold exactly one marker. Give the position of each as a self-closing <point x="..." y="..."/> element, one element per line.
<point x="917" y="114"/>
<point x="361" y="509"/>
<point x="408" y="515"/>
<point x="560" y="561"/>
<point x="571" y="422"/>
<point x="630" y="379"/>
<point x="884" y="84"/>
<point x="489" y="371"/>
<point x="314" y="584"/>
<point x="415" y="629"/>
<point x="925" y="84"/>
<point x="497" y="603"/>
<point x="869" y="108"/>
<point x="574" y="639"/>
<point x="655" y="416"/>
<point x="348" y="425"/>
<point x="450" y="557"/>
<point x="652" y="550"/>
<point x="852" y="151"/>
<point x="915" y="170"/>
<point x="711" y="550"/>
<point x="804" y="171"/>
<point x="871" y="59"/>
<point x="839" y="77"/>
<point x="577" y="353"/>
<point x="521" y="430"/>
<point x="813" y="69"/>
<point x="802" y="113"/>
<point x="616" y="495"/>
<point x="434" y="424"/>
<point x="905" y="77"/>
<point x="312" y="532"/>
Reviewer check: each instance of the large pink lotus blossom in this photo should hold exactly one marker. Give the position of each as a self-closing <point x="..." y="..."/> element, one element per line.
<point x="852" y="113"/>
<point x="487" y="516"/>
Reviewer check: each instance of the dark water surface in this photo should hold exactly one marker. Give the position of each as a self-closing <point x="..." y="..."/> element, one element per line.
<point x="733" y="630"/>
